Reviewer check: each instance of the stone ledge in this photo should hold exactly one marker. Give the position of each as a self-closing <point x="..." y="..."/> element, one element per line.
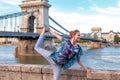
<point x="44" y="72"/>
<point x="38" y="69"/>
<point x="104" y="75"/>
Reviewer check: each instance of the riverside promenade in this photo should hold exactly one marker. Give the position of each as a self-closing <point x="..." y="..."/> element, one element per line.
<point x="44" y="72"/>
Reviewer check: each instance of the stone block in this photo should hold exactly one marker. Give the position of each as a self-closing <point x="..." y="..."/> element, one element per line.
<point x="94" y="79"/>
<point x="3" y="75"/>
<point x="76" y="71"/>
<point x="99" y="75"/>
<point x="116" y="75"/>
<point x="31" y="76"/>
<point x="8" y="75"/>
<point x="14" y="76"/>
<point x="15" y="67"/>
<point x="31" y="68"/>
<point x="68" y="77"/>
<point x="46" y="69"/>
<point x="47" y="76"/>
<point x="3" y="67"/>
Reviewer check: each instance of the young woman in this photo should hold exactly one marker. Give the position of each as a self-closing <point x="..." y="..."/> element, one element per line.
<point x="66" y="56"/>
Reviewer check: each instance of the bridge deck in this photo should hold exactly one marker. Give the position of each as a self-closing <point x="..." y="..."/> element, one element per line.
<point x="31" y="35"/>
<point x="4" y="34"/>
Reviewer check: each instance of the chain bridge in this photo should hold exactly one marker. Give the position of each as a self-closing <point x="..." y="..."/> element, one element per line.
<point x="10" y="26"/>
<point x="27" y="25"/>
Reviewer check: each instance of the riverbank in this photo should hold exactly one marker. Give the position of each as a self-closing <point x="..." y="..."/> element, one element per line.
<point x="44" y="72"/>
<point x="115" y="45"/>
<point x="36" y="72"/>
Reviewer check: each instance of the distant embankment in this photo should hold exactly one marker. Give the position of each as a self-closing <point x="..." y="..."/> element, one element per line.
<point x="43" y="72"/>
<point x="11" y="41"/>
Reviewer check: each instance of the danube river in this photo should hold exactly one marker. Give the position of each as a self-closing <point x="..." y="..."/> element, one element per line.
<point x="104" y="58"/>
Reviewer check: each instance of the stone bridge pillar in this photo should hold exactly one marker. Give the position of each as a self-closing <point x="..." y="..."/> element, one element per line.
<point x="35" y="21"/>
<point x="32" y="23"/>
<point x="96" y="34"/>
<point x="94" y="45"/>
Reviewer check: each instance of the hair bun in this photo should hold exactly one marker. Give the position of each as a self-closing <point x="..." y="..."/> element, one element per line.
<point x="72" y="33"/>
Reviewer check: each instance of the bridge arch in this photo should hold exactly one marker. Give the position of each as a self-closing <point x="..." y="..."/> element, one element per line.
<point x="40" y="17"/>
<point x="32" y="22"/>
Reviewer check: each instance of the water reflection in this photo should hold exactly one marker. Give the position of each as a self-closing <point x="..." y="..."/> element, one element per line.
<point x="32" y="60"/>
<point x="7" y="55"/>
<point x="104" y="58"/>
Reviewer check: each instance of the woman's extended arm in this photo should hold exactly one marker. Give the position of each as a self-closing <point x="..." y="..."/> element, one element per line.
<point x="55" y="34"/>
<point x="85" y="68"/>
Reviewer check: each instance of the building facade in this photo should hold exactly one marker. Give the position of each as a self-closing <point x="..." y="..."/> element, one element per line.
<point x="109" y="36"/>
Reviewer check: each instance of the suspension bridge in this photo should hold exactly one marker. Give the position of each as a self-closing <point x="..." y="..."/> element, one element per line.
<point x="10" y="27"/>
<point x="27" y="25"/>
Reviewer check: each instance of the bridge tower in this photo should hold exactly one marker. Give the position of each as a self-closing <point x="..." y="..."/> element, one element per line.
<point x="35" y="21"/>
<point x="96" y="34"/>
<point x="32" y="23"/>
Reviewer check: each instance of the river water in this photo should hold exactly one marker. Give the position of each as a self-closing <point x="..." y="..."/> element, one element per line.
<point x="104" y="58"/>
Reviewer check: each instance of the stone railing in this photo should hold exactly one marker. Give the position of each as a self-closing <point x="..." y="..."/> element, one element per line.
<point x="104" y="75"/>
<point x="36" y="72"/>
<point x="44" y="72"/>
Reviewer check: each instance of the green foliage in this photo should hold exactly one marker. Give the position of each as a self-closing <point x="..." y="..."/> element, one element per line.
<point x="84" y="41"/>
<point x="116" y="39"/>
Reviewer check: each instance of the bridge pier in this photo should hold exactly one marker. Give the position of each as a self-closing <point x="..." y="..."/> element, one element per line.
<point x="26" y="47"/>
<point x="94" y="45"/>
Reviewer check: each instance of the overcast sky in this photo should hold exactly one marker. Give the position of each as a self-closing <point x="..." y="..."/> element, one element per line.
<point x="77" y="14"/>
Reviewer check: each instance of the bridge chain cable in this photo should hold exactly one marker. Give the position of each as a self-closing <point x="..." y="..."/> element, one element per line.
<point x="61" y="33"/>
<point x="11" y="20"/>
<point x="6" y="24"/>
<point x="0" y="25"/>
<point x="15" y="23"/>
<point x="58" y="24"/>
<point x="17" y="14"/>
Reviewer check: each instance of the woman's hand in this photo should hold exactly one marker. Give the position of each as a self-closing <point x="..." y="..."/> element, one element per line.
<point x="90" y="70"/>
<point x="46" y="28"/>
<point x="43" y="31"/>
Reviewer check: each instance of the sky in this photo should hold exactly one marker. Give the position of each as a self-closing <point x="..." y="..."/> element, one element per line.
<point x="77" y="14"/>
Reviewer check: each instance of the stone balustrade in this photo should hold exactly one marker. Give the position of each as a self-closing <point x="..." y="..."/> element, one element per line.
<point x="104" y="75"/>
<point x="36" y="72"/>
<point x="44" y="72"/>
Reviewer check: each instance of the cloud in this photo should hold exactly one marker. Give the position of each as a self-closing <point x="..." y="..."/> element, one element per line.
<point x="9" y="6"/>
<point x="84" y="22"/>
<point x="80" y="8"/>
<point x="90" y="1"/>
<point x="11" y="2"/>
<point x="119" y="3"/>
<point x="106" y="18"/>
<point x="98" y="9"/>
<point x="107" y="10"/>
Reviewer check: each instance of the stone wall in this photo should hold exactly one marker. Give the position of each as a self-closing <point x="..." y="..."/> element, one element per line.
<point x="104" y="75"/>
<point x="36" y="72"/>
<point x="44" y="72"/>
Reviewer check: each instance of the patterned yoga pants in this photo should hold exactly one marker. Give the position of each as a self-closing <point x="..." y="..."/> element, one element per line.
<point x="46" y="54"/>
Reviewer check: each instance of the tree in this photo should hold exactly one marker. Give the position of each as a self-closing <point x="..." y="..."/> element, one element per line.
<point x="116" y="39"/>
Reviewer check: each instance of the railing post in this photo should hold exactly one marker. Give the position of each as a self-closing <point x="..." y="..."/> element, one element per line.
<point x="18" y="28"/>
<point x="14" y="29"/>
<point x="4" y="28"/>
